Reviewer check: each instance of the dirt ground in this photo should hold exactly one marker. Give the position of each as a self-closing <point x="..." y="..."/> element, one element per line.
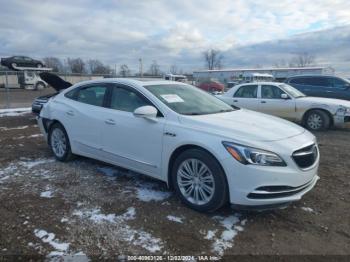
<point x="90" y="210"/>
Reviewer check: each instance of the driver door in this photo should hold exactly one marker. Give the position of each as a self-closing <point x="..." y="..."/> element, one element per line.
<point x="129" y="141"/>
<point x="271" y="102"/>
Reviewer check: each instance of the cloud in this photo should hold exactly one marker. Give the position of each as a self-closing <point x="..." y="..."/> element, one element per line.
<point x="174" y="31"/>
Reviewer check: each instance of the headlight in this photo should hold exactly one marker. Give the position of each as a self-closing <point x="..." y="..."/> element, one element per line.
<point x="343" y="110"/>
<point x="253" y="156"/>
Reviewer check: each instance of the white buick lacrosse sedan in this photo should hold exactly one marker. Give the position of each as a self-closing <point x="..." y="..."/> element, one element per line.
<point x="209" y="152"/>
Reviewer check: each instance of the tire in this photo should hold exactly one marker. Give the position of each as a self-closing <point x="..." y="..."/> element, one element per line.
<point x="317" y="120"/>
<point x="182" y="182"/>
<point x="39" y="65"/>
<point x="56" y="133"/>
<point x="39" y="86"/>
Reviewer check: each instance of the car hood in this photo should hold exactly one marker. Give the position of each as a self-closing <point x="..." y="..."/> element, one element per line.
<point x="55" y="81"/>
<point x="323" y="101"/>
<point x="244" y="125"/>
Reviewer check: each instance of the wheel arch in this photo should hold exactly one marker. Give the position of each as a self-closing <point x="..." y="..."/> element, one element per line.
<point x="320" y="109"/>
<point x="183" y="148"/>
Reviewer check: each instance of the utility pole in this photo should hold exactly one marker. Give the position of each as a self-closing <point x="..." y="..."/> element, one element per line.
<point x="141" y="67"/>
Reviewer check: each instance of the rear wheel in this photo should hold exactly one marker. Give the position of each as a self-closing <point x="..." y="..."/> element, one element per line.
<point x="199" y="181"/>
<point x="317" y="120"/>
<point x="59" y="143"/>
<point x="39" y="65"/>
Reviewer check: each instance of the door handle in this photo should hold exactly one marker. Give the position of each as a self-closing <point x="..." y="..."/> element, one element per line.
<point x="235" y="101"/>
<point x="110" y="122"/>
<point x="70" y="113"/>
<point x="263" y="102"/>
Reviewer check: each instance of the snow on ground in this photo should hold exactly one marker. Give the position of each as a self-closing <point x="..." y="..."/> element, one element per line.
<point x="145" y="191"/>
<point x="2" y="128"/>
<point x="175" y="219"/>
<point x="232" y="225"/>
<point x="49" y="238"/>
<point x="15" y="111"/>
<point x="147" y="194"/>
<point x="32" y="163"/>
<point x="46" y="194"/>
<point x="308" y="209"/>
<point x="121" y="229"/>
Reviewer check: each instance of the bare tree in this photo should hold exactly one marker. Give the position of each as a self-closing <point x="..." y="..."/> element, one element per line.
<point x="213" y="59"/>
<point x="124" y="70"/>
<point x="173" y="69"/>
<point x="54" y="63"/>
<point x="154" y="69"/>
<point x="76" y="65"/>
<point x="97" y="67"/>
<point x="280" y="63"/>
<point x="302" y="60"/>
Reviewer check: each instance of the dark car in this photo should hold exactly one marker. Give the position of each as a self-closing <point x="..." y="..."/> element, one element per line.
<point x="321" y="86"/>
<point x="21" y="61"/>
<point x="56" y="82"/>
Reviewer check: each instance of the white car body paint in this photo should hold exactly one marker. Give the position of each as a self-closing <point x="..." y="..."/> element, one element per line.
<point x="293" y="109"/>
<point x="146" y="145"/>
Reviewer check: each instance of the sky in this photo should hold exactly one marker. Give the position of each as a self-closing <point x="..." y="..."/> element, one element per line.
<point x="176" y="32"/>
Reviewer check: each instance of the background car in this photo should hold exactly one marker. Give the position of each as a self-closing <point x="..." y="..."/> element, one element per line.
<point x="285" y="101"/>
<point x="21" y="61"/>
<point x="212" y="86"/>
<point x="321" y="86"/>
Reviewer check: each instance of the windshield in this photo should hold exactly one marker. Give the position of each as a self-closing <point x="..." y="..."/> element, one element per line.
<point x="188" y="100"/>
<point x="292" y="91"/>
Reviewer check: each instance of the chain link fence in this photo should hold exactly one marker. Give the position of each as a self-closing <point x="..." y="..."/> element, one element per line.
<point x="18" y="89"/>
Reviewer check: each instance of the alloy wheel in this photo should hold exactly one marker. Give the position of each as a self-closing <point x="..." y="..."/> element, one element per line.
<point x="195" y="181"/>
<point x="58" y="142"/>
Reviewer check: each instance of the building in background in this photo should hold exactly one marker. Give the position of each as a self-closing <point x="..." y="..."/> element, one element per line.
<point x="226" y="76"/>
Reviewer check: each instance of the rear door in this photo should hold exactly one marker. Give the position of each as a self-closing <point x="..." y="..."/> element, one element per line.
<point x="246" y="96"/>
<point x="83" y="116"/>
<point x="272" y="103"/>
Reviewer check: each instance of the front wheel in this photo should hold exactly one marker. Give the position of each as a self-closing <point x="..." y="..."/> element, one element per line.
<point x="59" y="143"/>
<point x="199" y="181"/>
<point x="317" y="120"/>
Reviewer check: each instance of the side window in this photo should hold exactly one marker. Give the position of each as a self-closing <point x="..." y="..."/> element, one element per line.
<point x="125" y="99"/>
<point x="271" y="92"/>
<point x="336" y="83"/>
<point x="92" y="95"/>
<point x="298" y="81"/>
<point x="248" y="91"/>
<point x="72" y="94"/>
<point x="318" y="81"/>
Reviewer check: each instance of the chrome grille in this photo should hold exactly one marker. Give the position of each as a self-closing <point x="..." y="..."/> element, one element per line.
<point x="306" y="157"/>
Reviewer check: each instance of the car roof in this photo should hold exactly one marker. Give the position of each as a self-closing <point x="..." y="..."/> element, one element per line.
<point x="131" y="81"/>
<point x="311" y="75"/>
<point x="261" y="83"/>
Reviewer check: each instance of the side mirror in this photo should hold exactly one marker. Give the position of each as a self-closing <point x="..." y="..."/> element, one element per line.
<point x="149" y="112"/>
<point x="284" y="96"/>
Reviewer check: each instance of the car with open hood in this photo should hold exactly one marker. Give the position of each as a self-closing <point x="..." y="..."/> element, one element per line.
<point x="283" y="100"/>
<point x="210" y="153"/>
<point x="56" y="83"/>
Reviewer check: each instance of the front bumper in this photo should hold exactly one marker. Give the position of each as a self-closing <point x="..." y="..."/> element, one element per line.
<point x="258" y="187"/>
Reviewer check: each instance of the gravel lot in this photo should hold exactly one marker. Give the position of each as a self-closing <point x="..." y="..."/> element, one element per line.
<point x="86" y="208"/>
